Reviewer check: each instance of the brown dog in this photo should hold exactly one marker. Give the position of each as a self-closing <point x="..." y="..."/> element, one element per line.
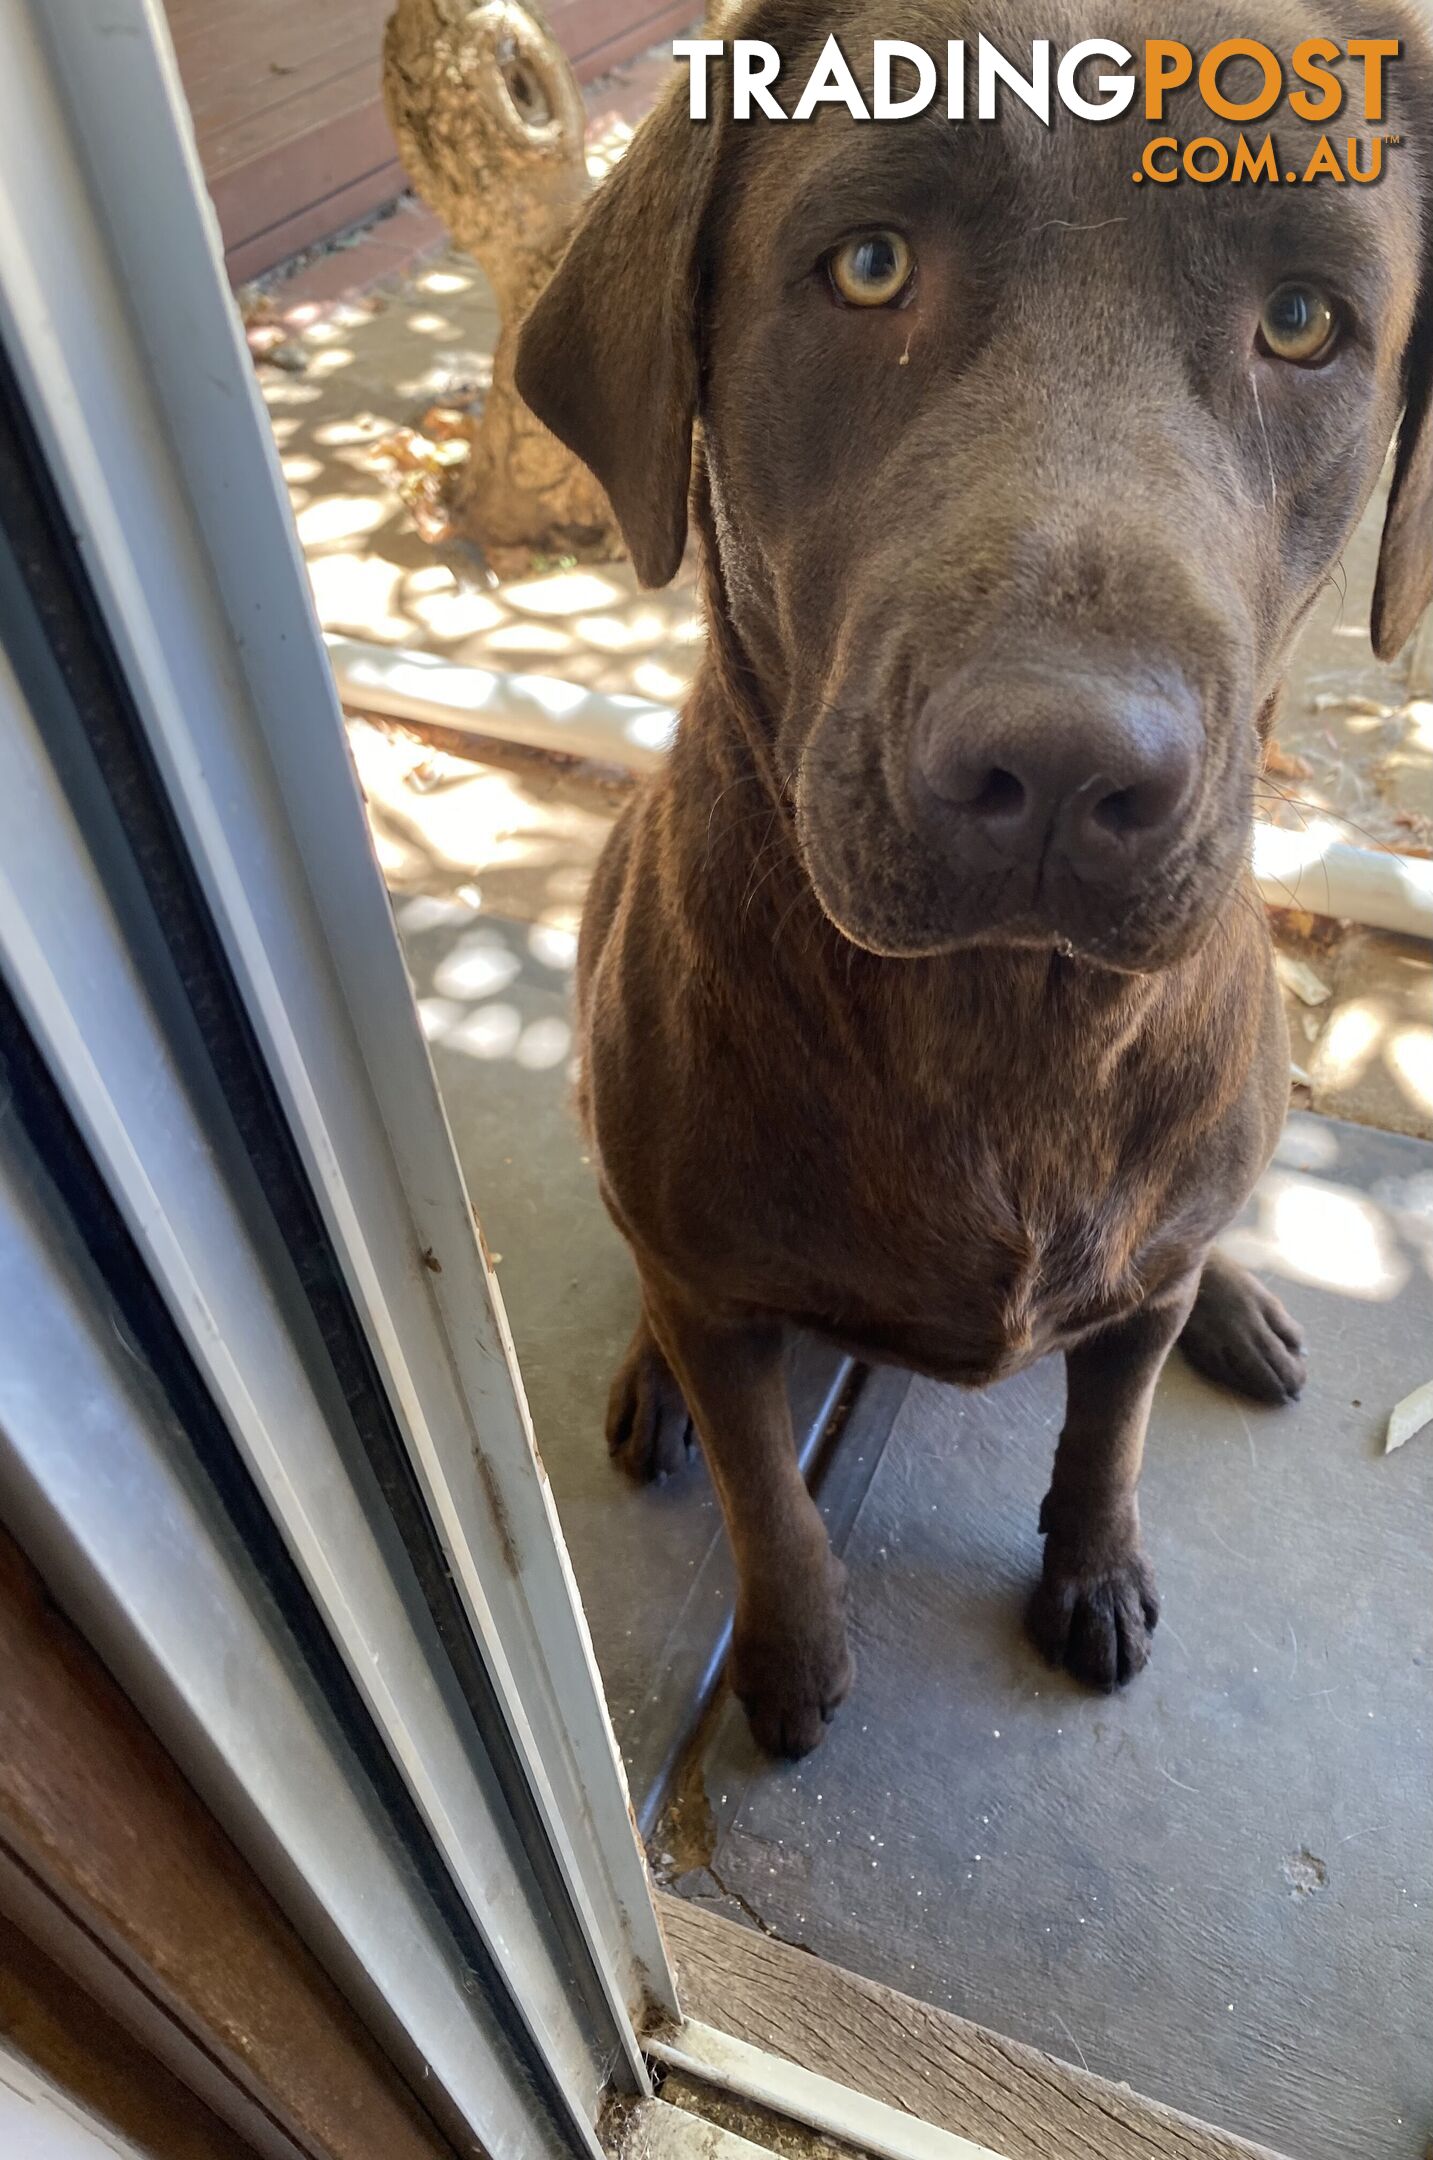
<point x="928" y="1002"/>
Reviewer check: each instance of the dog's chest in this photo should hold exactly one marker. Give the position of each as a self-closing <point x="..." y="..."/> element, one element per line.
<point x="961" y="1249"/>
<point x="937" y="1181"/>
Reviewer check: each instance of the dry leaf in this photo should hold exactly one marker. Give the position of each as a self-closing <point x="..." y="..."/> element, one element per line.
<point x="444" y="422"/>
<point x="1284" y="765"/>
<point x="1410" y="1416"/>
<point x="421" y="468"/>
<point x="1294" y="922"/>
<point x="1298" y="976"/>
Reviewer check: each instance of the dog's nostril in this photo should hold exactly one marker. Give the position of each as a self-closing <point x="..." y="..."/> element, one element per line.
<point x="1125" y="813"/>
<point x="1121" y="812"/>
<point x="1000" y="794"/>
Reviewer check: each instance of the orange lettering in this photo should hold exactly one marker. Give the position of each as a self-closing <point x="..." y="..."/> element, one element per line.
<point x="1167" y="65"/>
<point x="1306" y="66"/>
<point x="1373" y="52"/>
<point x="1242" y="49"/>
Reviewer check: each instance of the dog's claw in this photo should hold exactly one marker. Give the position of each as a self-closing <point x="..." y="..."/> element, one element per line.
<point x="789" y="1723"/>
<point x="1097" y="1625"/>
<point x="791" y="1674"/>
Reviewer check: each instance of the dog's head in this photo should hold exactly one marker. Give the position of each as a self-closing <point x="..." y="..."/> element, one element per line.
<point x="1021" y="475"/>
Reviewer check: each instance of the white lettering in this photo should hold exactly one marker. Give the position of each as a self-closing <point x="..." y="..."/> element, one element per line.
<point x="754" y="65"/>
<point x="831" y="83"/>
<point x="992" y="67"/>
<point x="885" y="105"/>
<point x="697" y="52"/>
<point x="1115" y="91"/>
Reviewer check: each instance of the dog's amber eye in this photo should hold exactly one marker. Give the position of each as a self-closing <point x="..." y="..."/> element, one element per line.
<point x="873" y="271"/>
<point x="1299" y="324"/>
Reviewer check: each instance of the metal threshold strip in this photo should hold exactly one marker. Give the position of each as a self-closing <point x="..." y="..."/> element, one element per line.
<point x="801" y="2096"/>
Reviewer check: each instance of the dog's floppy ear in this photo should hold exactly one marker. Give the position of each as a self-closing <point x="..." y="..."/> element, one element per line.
<point x="608" y="357"/>
<point x="1404" y="585"/>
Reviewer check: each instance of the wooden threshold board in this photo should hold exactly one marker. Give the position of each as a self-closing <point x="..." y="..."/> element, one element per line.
<point x="999" y="2093"/>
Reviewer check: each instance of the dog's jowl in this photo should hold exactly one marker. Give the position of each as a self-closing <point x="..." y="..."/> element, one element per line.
<point x="926" y="997"/>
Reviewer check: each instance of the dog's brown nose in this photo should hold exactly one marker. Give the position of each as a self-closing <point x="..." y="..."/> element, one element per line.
<point x="1055" y="770"/>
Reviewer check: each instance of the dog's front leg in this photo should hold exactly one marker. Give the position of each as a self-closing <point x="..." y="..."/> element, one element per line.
<point x="790" y="1665"/>
<point x="1096" y="1607"/>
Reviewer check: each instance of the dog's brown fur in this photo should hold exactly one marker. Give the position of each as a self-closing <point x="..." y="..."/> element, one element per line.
<point x="834" y="1076"/>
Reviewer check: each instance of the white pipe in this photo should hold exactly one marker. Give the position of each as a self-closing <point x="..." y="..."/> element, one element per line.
<point x="1314" y="869"/>
<point x="534" y="710"/>
<point x="1310" y="869"/>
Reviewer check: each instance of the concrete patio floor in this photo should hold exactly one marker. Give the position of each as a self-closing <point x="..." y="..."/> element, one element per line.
<point x="1217" y="1886"/>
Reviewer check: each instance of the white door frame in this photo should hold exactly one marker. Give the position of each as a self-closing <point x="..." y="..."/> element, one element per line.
<point x="120" y="324"/>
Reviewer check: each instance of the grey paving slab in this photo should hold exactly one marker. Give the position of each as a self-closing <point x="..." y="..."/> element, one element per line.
<point x="1218" y="1886"/>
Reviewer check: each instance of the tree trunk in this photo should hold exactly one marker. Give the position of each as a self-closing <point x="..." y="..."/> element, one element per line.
<point x="490" y="123"/>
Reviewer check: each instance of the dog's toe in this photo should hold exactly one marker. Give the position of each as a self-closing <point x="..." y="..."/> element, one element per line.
<point x="1240" y="1335"/>
<point x="1098" y="1626"/>
<point x="791" y="1667"/>
<point x="649" y="1430"/>
<point x="788" y="1728"/>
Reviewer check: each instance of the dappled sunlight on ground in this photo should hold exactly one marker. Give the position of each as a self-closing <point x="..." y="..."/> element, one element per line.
<point x="340" y="386"/>
<point x="1308" y="1224"/>
<point x="1410" y="1059"/>
<point x="1365" y="1049"/>
<point x="466" y="1009"/>
<point x="606" y="141"/>
<point x="1312" y="1231"/>
<point x="518" y="843"/>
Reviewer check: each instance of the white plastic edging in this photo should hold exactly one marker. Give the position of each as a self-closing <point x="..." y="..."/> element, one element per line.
<point x="1313" y="869"/>
<point x="804" y="2096"/>
<point x="403" y="683"/>
<point x="1310" y="869"/>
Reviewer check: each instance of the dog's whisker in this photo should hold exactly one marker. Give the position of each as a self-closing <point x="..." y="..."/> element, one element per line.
<point x="803" y="892"/>
<point x="763" y="880"/>
<point x="743" y="780"/>
<point x="734" y="825"/>
<point x="1069" y="225"/>
<point x="1341" y="589"/>
<point x="1325" y="810"/>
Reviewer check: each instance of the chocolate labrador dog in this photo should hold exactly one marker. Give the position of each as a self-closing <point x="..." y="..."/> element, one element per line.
<point x="927" y="1000"/>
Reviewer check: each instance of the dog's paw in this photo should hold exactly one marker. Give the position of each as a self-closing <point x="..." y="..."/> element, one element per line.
<point x="649" y="1429"/>
<point x="1098" y="1622"/>
<point x="1240" y="1335"/>
<point x="790" y="1672"/>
